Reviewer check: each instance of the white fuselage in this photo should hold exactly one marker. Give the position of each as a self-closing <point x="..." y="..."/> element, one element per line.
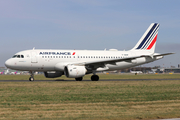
<point x="56" y="60"/>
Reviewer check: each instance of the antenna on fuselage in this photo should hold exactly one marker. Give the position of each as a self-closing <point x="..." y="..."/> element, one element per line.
<point x="33" y="48"/>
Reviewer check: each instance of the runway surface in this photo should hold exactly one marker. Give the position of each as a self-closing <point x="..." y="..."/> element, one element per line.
<point x="170" y="119"/>
<point x="83" y="80"/>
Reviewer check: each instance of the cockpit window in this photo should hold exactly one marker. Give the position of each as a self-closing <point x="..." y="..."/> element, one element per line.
<point x="14" y="56"/>
<point x="18" y="56"/>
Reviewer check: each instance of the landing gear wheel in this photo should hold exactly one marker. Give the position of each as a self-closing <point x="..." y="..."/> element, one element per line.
<point x="94" y="77"/>
<point x="79" y="79"/>
<point x="32" y="76"/>
<point x="31" y="79"/>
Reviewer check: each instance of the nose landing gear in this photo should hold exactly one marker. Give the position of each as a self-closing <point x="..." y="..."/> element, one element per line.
<point x="32" y="76"/>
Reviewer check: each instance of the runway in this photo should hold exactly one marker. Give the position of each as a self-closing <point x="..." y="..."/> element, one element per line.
<point x="62" y="80"/>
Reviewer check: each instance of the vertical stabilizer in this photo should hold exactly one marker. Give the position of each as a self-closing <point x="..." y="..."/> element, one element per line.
<point x="147" y="42"/>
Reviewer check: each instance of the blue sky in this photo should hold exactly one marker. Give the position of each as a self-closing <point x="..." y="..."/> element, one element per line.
<point x="88" y="24"/>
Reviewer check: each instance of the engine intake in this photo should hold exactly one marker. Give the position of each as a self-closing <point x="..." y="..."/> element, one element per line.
<point x="73" y="71"/>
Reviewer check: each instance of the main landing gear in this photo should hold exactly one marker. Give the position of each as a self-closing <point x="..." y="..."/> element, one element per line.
<point x="32" y="76"/>
<point x="93" y="78"/>
<point x="79" y="79"/>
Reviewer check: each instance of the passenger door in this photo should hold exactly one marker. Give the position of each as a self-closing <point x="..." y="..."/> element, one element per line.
<point x="34" y="58"/>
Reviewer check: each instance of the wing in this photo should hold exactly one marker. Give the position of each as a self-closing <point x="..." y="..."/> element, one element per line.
<point x="93" y="65"/>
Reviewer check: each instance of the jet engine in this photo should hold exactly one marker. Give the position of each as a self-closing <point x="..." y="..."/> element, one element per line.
<point x="53" y="74"/>
<point x="73" y="71"/>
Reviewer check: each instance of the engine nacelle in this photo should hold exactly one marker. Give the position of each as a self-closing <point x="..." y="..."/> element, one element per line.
<point x="73" y="71"/>
<point x="53" y="74"/>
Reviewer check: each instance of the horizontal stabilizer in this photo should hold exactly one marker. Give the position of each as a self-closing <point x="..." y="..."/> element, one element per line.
<point x="163" y="54"/>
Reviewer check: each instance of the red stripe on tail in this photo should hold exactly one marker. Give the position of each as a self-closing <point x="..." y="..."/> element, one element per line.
<point x="152" y="43"/>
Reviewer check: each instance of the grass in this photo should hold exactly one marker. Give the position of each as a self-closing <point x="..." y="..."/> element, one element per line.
<point x="108" y="100"/>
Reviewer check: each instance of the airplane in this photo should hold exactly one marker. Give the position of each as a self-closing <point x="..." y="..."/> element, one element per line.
<point x="136" y="72"/>
<point x="13" y="73"/>
<point x="78" y="63"/>
<point x="7" y="72"/>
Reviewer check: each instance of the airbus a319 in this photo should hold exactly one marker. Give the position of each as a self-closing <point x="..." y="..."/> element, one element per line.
<point x="78" y="63"/>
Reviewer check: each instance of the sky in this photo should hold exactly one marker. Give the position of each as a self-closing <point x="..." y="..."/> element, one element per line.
<point x="88" y="25"/>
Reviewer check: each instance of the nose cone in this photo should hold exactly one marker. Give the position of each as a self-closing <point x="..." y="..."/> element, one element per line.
<point x="8" y="63"/>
